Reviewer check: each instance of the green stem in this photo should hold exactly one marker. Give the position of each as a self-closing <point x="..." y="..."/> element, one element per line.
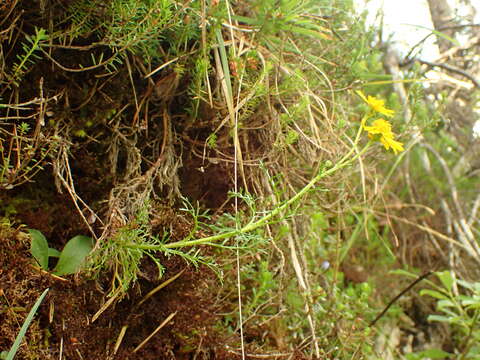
<point x="345" y="161"/>
<point x="467" y="343"/>
<point x="40" y="35"/>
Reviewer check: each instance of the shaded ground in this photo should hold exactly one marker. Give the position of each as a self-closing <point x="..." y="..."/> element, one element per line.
<point x="64" y="322"/>
<point x="83" y="113"/>
<point x="64" y="325"/>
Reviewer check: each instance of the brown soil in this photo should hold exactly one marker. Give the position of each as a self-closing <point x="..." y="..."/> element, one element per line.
<point x="63" y="323"/>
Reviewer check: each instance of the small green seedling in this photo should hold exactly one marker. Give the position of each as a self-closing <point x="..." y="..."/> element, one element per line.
<point x="70" y="259"/>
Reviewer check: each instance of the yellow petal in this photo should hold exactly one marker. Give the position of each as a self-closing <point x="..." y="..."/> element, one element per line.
<point x="379" y="106"/>
<point x="362" y="95"/>
<point x="376" y="104"/>
<point x="390" y="143"/>
<point x="380" y="126"/>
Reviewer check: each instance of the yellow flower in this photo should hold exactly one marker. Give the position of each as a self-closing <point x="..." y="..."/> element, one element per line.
<point x="380" y="126"/>
<point x="388" y="142"/>
<point x="381" y="129"/>
<point x="376" y="104"/>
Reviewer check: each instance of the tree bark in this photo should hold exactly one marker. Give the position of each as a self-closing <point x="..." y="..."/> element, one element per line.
<point x="442" y="18"/>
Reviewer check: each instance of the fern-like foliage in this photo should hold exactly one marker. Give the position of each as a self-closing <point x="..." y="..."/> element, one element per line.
<point x="86" y="18"/>
<point x="29" y="56"/>
<point x="138" y="24"/>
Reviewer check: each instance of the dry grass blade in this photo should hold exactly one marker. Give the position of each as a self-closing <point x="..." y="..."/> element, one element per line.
<point x="63" y="177"/>
<point x="223" y="64"/>
<point x="223" y="70"/>
<point x="120" y="337"/>
<point x="165" y="322"/>
<point x="161" y="286"/>
<point x="107" y="304"/>
<point x="432" y="232"/>
<point x="48" y="273"/>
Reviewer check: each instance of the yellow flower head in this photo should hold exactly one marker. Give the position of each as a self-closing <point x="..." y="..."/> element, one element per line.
<point x="376" y="104"/>
<point x="380" y="126"/>
<point x="381" y="129"/>
<point x="388" y="142"/>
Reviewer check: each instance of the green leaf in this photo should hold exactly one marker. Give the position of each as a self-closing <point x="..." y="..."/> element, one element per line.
<point x="433" y="293"/>
<point x="26" y="324"/>
<point x="246" y="20"/>
<point x="442" y="304"/>
<point x="53" y="252"/>
<point x="403" y="273"/>
<point x="413" y="356"/>
<point x="466" y="284"/>
<point x="432" y="354"/>
<point x="73" y="255"/>
<point x="309" y="32"/>
<point x="39" y="248"/>
<point x="439" y="318"/>
<point x="446" y="278"/>
<point x="471" y="304"/>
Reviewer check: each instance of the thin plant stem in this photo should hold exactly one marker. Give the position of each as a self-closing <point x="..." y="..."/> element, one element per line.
<point x="467" y="343"/>
<point x="253" y="225"/>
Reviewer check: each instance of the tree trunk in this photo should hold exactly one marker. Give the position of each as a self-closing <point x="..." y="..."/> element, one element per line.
<point x="442" y="17"/>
